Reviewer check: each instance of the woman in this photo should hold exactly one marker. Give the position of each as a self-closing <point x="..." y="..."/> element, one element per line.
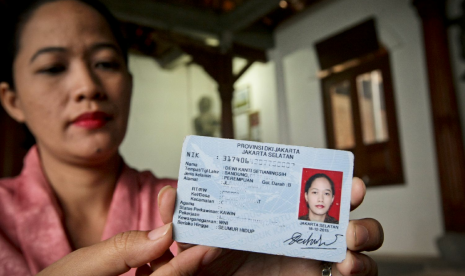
<point x="70" y="85"/>
<point x="319" y="195"/>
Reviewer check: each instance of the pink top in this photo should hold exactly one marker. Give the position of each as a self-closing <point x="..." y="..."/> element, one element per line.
<point x="32" y="234"/>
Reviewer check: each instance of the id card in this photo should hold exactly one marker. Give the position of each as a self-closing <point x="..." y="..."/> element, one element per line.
<point x="267" y="198"/>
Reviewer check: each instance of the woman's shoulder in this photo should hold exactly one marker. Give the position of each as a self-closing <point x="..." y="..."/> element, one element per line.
<point x="8" y="187"/>
<point x="8" y="210"/>
<point x="330" y="219"/>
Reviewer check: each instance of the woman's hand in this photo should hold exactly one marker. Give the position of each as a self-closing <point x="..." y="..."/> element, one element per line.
<point x="362" y="235"/>
<point x="134" y="249"/>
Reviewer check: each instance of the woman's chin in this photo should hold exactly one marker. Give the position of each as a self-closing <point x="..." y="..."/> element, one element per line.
<point x="94" y="154"/>
<point x="320" y="212"/>
<point x="96" y="143"/>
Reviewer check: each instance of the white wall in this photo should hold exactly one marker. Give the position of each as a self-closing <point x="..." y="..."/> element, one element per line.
<point x="158" y="120"/>
<point x="164" y="104"/>
<point x="411" y="213"/>
<point x="259" y="78"/>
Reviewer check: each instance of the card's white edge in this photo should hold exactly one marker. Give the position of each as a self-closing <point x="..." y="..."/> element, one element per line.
<point x="352" y="160"/>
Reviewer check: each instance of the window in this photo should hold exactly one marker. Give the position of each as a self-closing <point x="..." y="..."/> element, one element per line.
<point x="359" y="105"/>
<point x="360" y="117"/>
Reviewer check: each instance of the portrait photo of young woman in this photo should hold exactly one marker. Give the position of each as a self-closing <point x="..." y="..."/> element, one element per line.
<point x="320" y="196"/>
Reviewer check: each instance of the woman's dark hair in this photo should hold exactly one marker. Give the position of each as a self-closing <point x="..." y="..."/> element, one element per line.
<point x="309" y="182"/>
<point x="18" y="13"/>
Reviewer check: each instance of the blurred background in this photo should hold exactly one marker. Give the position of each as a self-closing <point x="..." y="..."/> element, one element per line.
<point x="381" y="78"/>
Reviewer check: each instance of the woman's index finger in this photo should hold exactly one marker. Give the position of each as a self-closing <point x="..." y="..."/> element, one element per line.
<point x="166" y="203"/>
<point x="358" y="193"/>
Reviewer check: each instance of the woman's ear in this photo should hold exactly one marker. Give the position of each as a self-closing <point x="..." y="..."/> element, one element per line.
<point x="11" y="102"/>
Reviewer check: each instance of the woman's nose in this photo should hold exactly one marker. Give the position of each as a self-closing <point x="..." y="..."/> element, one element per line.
<point x="87" y="85"/>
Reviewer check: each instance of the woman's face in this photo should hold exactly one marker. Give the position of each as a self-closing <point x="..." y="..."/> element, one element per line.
<point x="73" y="88"/>
<point x="319" y="196"/>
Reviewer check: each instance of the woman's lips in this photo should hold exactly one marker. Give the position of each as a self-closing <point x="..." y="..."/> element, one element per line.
<point x="92" y="120"/>
<point x="320" y="206"/>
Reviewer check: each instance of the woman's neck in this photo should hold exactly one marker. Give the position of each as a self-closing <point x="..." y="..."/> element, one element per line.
<point x="84" y="193"/>
<point x="315" y="217"/>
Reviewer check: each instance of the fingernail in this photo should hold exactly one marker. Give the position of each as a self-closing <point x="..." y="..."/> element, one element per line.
<point x="211" y="255"/>
<point x="361" y="235"/>
<point x="159" y="232"/>
<point x="358" y="266"/>
<point x="160" y="192"/>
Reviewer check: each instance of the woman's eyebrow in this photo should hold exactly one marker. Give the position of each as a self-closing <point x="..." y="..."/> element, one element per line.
<point x="47" y="50"/>
<point x="104" y="45"/>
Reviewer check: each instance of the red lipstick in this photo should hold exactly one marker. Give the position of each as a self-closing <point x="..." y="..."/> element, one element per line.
<point x="92" y="120"/>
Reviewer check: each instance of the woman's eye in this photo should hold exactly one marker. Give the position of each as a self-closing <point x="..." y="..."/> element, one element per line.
<point x="108" y="65"/>
<point x="53" y="70"/>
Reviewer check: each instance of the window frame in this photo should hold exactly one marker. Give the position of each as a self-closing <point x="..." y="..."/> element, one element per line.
<point x="385" y="155"/>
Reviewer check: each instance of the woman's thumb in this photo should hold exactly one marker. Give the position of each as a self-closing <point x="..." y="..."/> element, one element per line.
<point x="116" y="255"/>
